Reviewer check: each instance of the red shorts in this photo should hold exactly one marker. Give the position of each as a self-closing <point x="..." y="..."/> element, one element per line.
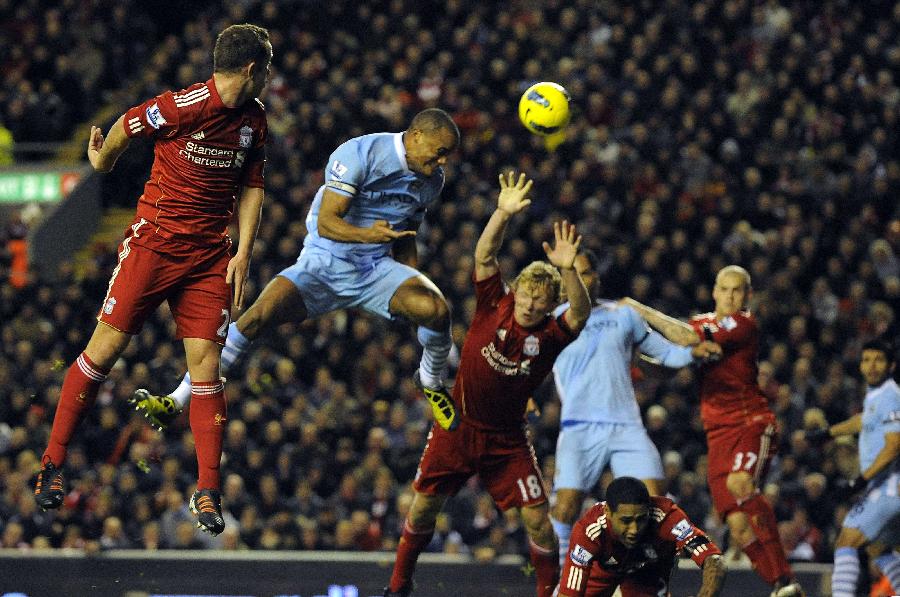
<point x="505" y="463"/>
<point x="749" y="447"/>
<point x="153" y="269"/>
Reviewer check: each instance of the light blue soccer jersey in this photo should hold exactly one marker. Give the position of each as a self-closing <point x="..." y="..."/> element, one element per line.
<point x="593" y="373"/>
<point x="881" y="415"/>
<point x="373" y="170"/>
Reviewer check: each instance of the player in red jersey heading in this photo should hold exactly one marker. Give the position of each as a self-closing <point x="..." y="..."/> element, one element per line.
<point x="740" y="426"/>
<point x="208" y="154"/>
<point x="509" y="350"/>
<point x="631" y="541"/>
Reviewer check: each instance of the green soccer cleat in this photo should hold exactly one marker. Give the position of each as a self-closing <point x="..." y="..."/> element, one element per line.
<point x="160" y="411"/>
<point x="441" y="405"/>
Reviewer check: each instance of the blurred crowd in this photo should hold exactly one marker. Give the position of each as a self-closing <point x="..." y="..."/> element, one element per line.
<point x="704" y="133"/>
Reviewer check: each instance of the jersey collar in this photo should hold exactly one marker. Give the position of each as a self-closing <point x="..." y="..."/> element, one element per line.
<point x="401" y="151"/>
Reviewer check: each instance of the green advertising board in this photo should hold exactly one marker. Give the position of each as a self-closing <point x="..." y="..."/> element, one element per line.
<point x="43" y="187"/>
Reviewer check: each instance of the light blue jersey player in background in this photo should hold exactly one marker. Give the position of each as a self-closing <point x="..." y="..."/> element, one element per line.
<point x="600" y="419"/>
<point x="869" y="522"/>
<point x="359" y="251"/>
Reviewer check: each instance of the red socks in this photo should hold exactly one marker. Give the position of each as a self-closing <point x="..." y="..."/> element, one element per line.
<point x="207" y="415"/>
<point x="412" y="542"/>
<point x="546" y="567"/>
<point x="773" y="565"/>
<point x="78" y="394"/>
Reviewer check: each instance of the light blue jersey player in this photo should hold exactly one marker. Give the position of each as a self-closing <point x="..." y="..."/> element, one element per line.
<point x="360" y="251"/>
<point x="600" y="419"/>
<point x="879" y="462"/>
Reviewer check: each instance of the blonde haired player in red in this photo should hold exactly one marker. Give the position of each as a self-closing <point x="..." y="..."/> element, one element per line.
<point x="740" y="426"/>
<point x="208" y="164"/>
<point x="510" y="348"/>
<point x="631" y="541"/>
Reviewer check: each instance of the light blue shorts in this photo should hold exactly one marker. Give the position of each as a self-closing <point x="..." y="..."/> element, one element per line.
<point x="327" y="283"/>
<point x="583" y="450"/>
<point x="879" y="505"/>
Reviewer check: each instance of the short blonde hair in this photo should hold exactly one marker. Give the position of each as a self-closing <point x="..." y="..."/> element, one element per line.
<point x="543" y="275"/>
<point x="735" y="269"/>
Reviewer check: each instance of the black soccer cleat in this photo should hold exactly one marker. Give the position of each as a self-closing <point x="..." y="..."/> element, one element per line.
<point x="49" y="490"/>
<point x="404" y="592"/>
<point x="207" y="505"/>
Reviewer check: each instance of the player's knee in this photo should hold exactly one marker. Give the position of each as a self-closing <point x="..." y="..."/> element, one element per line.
<point x="850" y="537"/>
<point x="437" y="312"/>
<point x="740" y="529"/>
<point x="740" y="485"/>
<point x="566" y="509"/>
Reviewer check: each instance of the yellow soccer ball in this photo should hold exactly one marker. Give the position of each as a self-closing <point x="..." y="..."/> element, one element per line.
<point x="544" y="108"/>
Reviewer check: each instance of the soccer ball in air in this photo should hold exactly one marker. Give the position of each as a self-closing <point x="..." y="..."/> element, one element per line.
<point x="544" y="108"/>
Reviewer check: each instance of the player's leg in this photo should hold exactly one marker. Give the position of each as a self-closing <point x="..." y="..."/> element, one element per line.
<point x="882" y="549"/>
<point x="445" y="466"/>
<point x="743" y="455"/>
<point x="845" y="576"/>
<point x="634" y="454"/>
<point x="508" y="467"/>
<point x="867" y="521"/>
<point x="581" y="455"/>
<point x="417" y="532"/>
<point x="416" y="298"/>
<point x="78" y="394"/>
<point x="280" y="302"/>
<point x="542" y="546"/>
<point x="208" y="416"/>
<point x="137" y="286"/>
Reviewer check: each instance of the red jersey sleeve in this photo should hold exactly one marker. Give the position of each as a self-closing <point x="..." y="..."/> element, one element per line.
<point x="155" y="118"/>
<point x="256" y="157"/>
<point x="488" y="292"/>
<point x="735" y="330"/>
<point x="677" y="527"/>
<point x="585" y="546"/>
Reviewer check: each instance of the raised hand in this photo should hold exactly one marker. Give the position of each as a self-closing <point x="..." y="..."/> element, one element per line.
<point x="95" y="144"/>
<point x="565" y="247"/>
<point x="514" y="193"/>
<point x="707" y="351"/>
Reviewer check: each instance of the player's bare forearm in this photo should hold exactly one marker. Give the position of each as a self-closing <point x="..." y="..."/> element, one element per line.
<point x="489" y="245"/>
<point x="673" y="329"/>
<point x="103" y="151"/>
<point x="404" y="251"/>
<point x="713" y="576"/>
<point x="249" y="213"/>
<point x="579" y="299"/>
<point x="886" y="457"/>
<point x="851" y="426"/>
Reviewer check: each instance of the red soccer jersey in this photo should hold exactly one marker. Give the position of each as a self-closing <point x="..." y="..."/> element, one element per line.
<point x="729" y="393"/>
<point x="204" y="152"/>
<point x="503" y="363"/>
<point x="597" y="559"/>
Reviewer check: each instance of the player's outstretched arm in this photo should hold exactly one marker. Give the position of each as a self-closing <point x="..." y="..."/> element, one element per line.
<point x="513" y="198"/>
<point x="675" y="330"/>
<point x="333" y="226"/>
<point x="562" y="255"/>
<point x="103" y="151"/>
<point x="713" y="576"/>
